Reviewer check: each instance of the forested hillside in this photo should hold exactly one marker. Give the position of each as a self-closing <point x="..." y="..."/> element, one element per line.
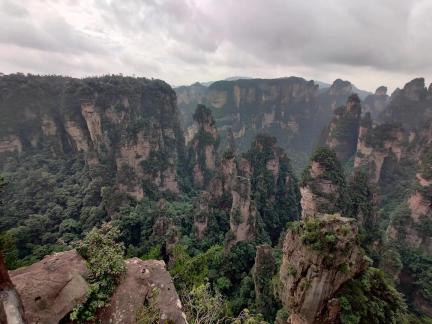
<point x="103" y="166"/>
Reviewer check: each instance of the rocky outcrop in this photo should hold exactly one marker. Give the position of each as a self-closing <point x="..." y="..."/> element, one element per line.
<point x="10" y="143"/>
<point x="53" y="287"/>
<point x="376" y="103"/>
<point x="11" y="309"/>
<point x="143" y="280"/>
<point x="263" y="271"/>
<point x="201" y="217"/>
<point x="342" y="133"/>
<point x="131" y="124"/>
<point x="203" y="147"/>
<point x="291" y="109"/>
<point x="319" y="256"/>
<point x="243" y="215"/>
<point x="273" y="184"/>
<point x="323" y="187"/>
<point x="410" y="106"/>
<point x="379" y="145"/>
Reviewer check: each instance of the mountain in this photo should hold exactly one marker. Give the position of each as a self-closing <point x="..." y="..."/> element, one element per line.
<point x="292" y="109"/>
<point x="277" y="202"/>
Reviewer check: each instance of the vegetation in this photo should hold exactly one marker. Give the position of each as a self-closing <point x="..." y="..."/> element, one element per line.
<point x="104" y="256"/>
<point x="51" y="196"/>
<point x="371" y="299"/>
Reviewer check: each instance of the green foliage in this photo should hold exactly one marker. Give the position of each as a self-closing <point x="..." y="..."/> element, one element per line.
<point x="104" y="256"/>
<point x="190" y="271"/>
<point x="48" y="202"/>
<point x="149" y="313"/>
<point x="317" y="237"/>
<point x="201" y="141"/>
<point x="420" y="268"/>
<point x="264" y="270"/>
<point x="371" y="299"/>
<point x="202" y="306"/>
<point x="277" y="198"/>
<point x="338" y="202"/>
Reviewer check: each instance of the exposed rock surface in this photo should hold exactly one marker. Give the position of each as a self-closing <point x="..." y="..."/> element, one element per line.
<point x="130" y="125"/>
<point x="377" y="145"/>
<point x="201" y="217"/>
<point x="203" y="147"/>
<point x="342" y="133"/>
<point x="53" y="287"/>
<point x="263" y="271"/>
<point x="376" y="103"/>
<point x="243" y="214"/>
<point x="292" y="109"/>
<point x="313" y="269"/>
<point x="323" y="187"/>
<point x="410" y="106"/>
<point x="143" y="280"/>
<point x="11" y="309"/>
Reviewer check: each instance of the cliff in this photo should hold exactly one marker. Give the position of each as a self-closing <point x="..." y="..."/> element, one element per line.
<point x="292" y="109"/>
<point x="319" y="256"/>
<point x="342" y="133"/>
<point x="411" y="105"/>
<point x="323" y="186"/>
<point x="383" y="145"/>
<point x="202" y="148"/>
<point x="52" y="288"/>
<point x="266" y="186"/>
<point x="11" y="309"/>
<point x="377" y="102"/>
<point x="129" y="125"/>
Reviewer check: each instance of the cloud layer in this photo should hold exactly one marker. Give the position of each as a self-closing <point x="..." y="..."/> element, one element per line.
<point x="368" y="42"/>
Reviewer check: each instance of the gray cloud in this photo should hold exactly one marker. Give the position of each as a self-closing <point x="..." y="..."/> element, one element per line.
<point x="367" y="41"/>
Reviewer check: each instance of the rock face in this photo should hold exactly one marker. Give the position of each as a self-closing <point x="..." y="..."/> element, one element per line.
<point x="263" y="271"/>
<point x="383" y="144"/>
<point x="203" y="147"/>
<point x="129" y="125"/>
<point x="410" y="106"/>
<point x="265" y="188"/>
<point x="376" y="103"/>
<point x="53" y="287"/>
<point x="323" y="187"/>
<point x="141" y="280"/>
<point x="292" y="109"/>
<point x="201" y="217"/>
<point x="243" y="216"/>
<point x="273" y="184"/>
<point x="11" y="309"/>
<point x="342" y="133"/>
<point x="319" y="256"/>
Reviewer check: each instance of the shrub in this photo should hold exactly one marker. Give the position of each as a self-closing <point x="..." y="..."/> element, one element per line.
<point x="104" y="256"/>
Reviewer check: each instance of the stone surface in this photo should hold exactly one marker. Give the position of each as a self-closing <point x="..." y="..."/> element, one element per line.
<point x="310" y="277"/>
<point x="143" y="280"/>
<point x="51" y="288"/>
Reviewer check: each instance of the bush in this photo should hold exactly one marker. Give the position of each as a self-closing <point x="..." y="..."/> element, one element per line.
<point x="104" y="256"/>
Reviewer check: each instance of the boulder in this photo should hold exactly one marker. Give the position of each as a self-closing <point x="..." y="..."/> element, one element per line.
<point x="51" y="288"/>
<point x="142" y="281"/>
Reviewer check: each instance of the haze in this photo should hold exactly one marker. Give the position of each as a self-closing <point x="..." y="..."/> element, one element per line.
<point x="367" y="42"/>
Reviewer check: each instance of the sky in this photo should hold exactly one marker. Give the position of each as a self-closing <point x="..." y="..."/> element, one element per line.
<point x="368" y="42"/>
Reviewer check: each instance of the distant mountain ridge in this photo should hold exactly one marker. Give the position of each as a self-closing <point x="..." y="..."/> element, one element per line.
<point x="292" y="109"/>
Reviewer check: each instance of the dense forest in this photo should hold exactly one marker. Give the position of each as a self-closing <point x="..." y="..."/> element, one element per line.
<point x="101" y="165"/>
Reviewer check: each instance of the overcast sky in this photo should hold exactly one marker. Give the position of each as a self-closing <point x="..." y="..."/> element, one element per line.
<point x="369" y="42"/>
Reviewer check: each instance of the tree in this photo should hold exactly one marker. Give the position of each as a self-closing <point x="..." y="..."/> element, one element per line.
<point x="104" y="256"/>
<point x="10" y="301"/>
